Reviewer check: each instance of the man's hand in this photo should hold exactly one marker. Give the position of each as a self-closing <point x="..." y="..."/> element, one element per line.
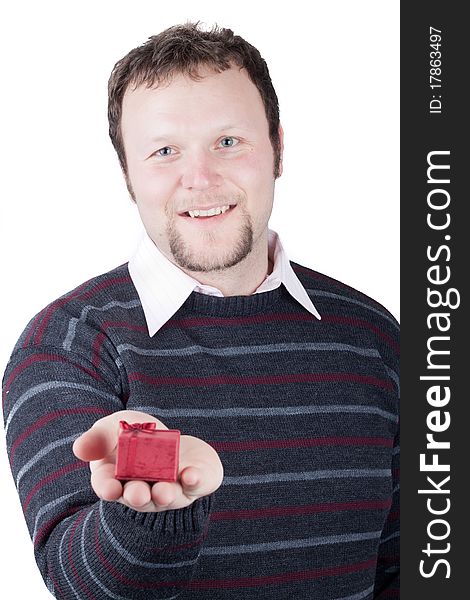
<point x="200" y="470"/>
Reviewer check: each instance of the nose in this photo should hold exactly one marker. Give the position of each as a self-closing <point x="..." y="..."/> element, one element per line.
<point x="201" y="172"/>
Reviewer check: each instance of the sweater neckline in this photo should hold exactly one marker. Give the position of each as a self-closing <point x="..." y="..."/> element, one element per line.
<point x="232" y="305"/>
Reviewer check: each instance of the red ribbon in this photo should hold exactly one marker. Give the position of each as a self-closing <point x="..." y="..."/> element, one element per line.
<point x="134" y="428"/>
<point x="144" y="426"/>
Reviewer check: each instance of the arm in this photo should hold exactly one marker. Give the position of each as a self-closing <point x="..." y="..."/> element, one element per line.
<point x="387" y="581"/>
<point x="85" y="546"/>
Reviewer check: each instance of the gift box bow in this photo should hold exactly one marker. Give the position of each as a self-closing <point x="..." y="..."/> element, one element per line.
<point x="125" y="426"/>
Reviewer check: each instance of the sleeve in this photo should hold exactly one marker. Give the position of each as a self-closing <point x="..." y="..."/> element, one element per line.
<point x="387" y="580"/>
<point x="85" y="547"/>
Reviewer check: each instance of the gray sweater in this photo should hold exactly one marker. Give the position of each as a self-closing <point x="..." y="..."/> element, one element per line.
<point x="303" y="414"/>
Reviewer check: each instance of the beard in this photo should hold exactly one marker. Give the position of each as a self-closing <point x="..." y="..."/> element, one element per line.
<point x="209" y="258"/>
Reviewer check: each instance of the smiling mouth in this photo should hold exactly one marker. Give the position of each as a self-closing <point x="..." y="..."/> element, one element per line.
<point x="199" y="213"/>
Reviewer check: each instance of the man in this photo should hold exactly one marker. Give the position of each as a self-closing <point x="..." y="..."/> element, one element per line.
<point x="288" y="407"/>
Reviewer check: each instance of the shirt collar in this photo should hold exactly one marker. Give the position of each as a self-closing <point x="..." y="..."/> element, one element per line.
<point x="148" y="268"/>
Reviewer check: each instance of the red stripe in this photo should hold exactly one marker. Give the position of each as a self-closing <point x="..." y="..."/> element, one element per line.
<point x="49" y="525"/>
<point x="299" y="443"/>
<point x="96" y="348"/>
<point x="207" y="584"/>
<point x="362" y="323"/>
<point x="44" y="358"/>
<point x="50" y="417"/>
<point x="44" y="312"/>
<point x="102" y="336"/>
<point x="70" y="557"/>
<point x="234" y="583"/>
<point x="307" y="509"/>
<point x="55" y="475"/>
<point x="247" y="320"/>
<point x="85" y="296"/>
<point x="253" y="319"/>
<point x="57" y="588"/>
<point x="262" y="379"/>
<point x="107" y="565"/>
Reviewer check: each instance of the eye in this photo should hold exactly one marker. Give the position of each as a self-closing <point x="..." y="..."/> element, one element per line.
<point x="165" y="151"/>
<point x="228" y="141"/>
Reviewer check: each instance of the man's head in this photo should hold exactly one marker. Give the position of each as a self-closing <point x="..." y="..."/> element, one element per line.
<point x="194" y="119"/>
<point x="184" y="50"/>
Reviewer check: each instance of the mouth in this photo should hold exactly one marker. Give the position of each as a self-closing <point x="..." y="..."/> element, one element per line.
<point x="216" y="213"/>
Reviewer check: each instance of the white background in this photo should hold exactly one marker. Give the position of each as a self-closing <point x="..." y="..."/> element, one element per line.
<point x="66" y="215"/>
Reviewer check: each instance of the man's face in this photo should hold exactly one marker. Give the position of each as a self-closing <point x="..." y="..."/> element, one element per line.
<point x="197" y="146"/>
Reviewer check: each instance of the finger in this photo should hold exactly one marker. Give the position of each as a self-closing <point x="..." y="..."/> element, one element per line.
<point x="149" y="507"/>
<point x="104" y="483"/>
<point x="99" y="441"/>
<point x="165" y="493"/>
<point x="192" y="482"/>
<point x="136" y="493"/>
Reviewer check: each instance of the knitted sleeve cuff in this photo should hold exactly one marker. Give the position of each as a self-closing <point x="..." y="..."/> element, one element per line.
<point x="170" y="525"/>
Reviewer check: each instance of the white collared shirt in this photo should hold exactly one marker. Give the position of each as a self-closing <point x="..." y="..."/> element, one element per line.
<point x="149" y="267"/>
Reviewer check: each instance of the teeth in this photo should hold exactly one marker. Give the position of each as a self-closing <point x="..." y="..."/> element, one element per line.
<point x="209" y="213"/>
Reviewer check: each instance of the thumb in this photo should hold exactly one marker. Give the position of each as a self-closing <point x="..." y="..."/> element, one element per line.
<point x="96" y="443"/>
<point x="101" y="439"/>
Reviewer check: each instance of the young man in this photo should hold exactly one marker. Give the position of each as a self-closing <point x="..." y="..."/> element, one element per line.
<point x="282" y="381"/>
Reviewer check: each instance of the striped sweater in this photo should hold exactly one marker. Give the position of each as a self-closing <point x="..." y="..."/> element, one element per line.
<point x="303" y="414"/>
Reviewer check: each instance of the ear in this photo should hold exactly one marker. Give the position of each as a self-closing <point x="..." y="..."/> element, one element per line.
<point x="281" y="153"/>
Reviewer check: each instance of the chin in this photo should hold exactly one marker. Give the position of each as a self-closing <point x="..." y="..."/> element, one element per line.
<point x="209" y="254"/>
<point x="206" y="263"/>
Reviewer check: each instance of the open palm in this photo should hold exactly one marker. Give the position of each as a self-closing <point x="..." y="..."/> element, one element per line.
<point x="200" y="470"/>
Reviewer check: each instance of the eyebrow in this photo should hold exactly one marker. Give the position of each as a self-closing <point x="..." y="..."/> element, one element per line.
<point x="243" y="126"/>
<point x="161" y="137"/>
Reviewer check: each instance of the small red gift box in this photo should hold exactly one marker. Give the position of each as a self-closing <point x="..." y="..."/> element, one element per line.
<point x="147" y="453"/>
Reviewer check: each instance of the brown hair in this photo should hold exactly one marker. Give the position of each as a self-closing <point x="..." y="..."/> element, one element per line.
<point x="182" y="49"/>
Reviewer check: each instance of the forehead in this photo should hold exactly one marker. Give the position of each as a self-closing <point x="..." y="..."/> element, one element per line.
<point x="218" y="99"/>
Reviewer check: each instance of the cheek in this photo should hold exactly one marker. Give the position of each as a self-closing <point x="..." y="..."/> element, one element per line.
<point x="153" y="188"/>
<point x="254" y="170"/>
<point x="257" y="181"/>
